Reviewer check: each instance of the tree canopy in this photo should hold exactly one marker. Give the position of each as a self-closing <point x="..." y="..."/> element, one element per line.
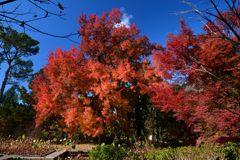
<point x="101" y="81"/>
<point x="15" y="48"/>
<point x="92" y="86"/>
<point x="209" y="67"/>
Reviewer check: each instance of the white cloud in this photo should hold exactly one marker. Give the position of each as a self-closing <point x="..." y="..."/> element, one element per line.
<point x="125" y="20"/>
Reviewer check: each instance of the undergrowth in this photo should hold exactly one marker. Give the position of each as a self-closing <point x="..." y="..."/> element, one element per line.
<point x="209" y="151"/>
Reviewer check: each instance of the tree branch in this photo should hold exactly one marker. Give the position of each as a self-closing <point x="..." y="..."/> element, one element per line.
<point x="224" y="20"/>
<point x="224" y="37"/>
<point x="5" y="2"/>
<point x="23" y="24"/>
<point x="226" y="108"/>
<point x="220" y="79"/>
<point x="232" y="9"/>
<point x="11" y="16"/>
<point x="59" y="15"/>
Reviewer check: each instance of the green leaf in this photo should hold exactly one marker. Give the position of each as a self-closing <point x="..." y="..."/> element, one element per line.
<point x="73" y="146"/>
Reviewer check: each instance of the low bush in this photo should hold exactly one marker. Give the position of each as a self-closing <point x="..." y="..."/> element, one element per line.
<point x="107" y="152"/>
<point x="231" y="150"/>
<point x="209" y="151"/>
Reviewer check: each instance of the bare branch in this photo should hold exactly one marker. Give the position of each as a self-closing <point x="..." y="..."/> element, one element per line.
<point x="12" y="16"/>
<point x="12" y="12"/>
<point x="66" y="36"/>
<point x="53" y="3"/>
<point x="23" y="24"/>
<point x="233" y="9"/>
<point x="236" y="44"/>
<point x="5" y="2"/>
<point x="224" y="20"/>
<point x="59" y="15"/>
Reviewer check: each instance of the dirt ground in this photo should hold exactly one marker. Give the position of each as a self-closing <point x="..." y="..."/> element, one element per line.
<point x="78" y="146"/>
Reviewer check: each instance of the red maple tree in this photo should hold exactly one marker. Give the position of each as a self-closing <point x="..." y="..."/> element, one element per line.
<point x="91" y="86"/>
<point x="209" y="66"/>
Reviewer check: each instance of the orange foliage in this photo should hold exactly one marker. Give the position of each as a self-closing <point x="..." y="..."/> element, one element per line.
<point x="91" y="86"/>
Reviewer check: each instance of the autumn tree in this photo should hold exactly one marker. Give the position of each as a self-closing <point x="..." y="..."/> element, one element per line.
<point x="16" y="47"/>
<point x="209" y="65"/>
<point x="92" y="86"/>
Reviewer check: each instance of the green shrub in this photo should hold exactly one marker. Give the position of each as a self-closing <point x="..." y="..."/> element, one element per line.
<point x="231" y="151"/>
<point x="157" y="154"/>
<point x="207" y="151"/>
<point x="107" y="152"/>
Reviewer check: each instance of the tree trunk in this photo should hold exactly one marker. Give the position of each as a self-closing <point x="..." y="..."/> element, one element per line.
<point x="128" y="142"/>
<point x="4" y="83"/>
<point x="119" y="138"/>
<point x="101" y="139"/>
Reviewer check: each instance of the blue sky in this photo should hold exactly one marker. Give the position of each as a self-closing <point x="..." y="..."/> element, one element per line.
<point x="154" y="18"/>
